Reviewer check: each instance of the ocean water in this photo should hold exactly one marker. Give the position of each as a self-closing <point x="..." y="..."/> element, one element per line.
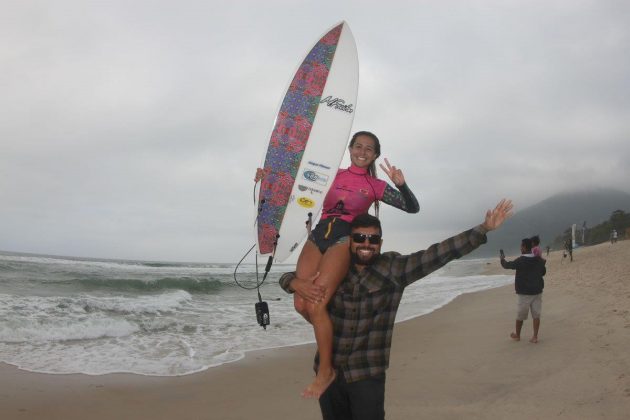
<point x="76" y="315"/>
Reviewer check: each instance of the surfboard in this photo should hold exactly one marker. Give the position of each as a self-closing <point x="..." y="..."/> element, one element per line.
<point x="308" y="141"/>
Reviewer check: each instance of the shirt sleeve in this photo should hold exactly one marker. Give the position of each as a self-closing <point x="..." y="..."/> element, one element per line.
<point x="409" y="268"/>
<point x="511" y="265"/>
<point x="285" y="281"/>
<point x="402" y="198"/>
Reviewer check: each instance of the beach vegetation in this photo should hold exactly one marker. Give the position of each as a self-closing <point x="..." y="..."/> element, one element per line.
<point x="619" y="220"/>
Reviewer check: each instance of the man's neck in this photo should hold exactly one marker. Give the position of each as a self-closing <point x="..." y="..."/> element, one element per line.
<point x="359" y="267"/>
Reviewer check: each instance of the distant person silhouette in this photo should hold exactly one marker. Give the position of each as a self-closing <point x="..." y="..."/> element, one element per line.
<point x="568" y="245"/>
<point x="536" y="246"/>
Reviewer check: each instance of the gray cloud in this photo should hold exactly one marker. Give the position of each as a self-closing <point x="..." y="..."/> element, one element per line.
<point x="132" y="130"/>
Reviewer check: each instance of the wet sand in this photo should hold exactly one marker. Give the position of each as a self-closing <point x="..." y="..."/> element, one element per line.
<point x="457" y="362"/>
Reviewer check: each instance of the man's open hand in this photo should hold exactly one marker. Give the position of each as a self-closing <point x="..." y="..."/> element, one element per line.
<point x="496" y="217"/>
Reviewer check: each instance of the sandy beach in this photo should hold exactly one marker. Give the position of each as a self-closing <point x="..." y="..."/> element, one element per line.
<point x="457" y="362"/>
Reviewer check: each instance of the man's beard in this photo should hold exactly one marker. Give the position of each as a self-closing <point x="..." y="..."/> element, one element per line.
<point x="356" y="259"/>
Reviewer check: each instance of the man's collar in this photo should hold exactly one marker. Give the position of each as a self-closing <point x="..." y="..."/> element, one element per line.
<point x="355" y="270"/>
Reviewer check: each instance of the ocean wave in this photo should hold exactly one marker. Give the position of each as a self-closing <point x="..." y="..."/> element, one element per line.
<point x="36" y="331"/>
<point x="160" y="264"/>
<point x="188" y="284"/>
<point x="135" y="265"/>
<point x="42" y="319"/>
<point x="154" y="304"/>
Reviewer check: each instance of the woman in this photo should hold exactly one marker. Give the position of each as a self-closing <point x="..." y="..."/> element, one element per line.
<point x="326" y="256"/>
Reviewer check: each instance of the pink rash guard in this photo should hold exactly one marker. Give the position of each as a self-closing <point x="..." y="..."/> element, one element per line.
<point x="352" y="193"/>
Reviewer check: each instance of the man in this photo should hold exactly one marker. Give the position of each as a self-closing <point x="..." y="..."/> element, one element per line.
<point x="363" y="309"/>
<point x="568" y="245"/>
<point x="529" y="284"/>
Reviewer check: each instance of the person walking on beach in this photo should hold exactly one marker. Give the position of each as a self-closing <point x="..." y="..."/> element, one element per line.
<point x="529" y="284"/>
<point x="364" y="306"/>
<point x="568" y="245"/>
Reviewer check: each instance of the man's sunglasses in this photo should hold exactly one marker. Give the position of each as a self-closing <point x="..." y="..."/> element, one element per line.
<point x="374" y="239"/>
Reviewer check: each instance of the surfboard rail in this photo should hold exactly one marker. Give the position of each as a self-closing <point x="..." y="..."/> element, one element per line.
<point x="307" y="142"/>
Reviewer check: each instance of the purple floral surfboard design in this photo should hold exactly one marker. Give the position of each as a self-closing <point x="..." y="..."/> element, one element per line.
<point x="290" y="136"/>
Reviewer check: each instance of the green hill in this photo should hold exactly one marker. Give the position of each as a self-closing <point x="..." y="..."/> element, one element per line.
<point x="553" y="216"/>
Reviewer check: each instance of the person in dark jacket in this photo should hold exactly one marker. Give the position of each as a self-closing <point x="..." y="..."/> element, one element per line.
<point x="529" y="284"/>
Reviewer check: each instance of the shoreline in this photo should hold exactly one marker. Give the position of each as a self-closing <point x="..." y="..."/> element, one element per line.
<point x="486" y="271"/>
<point x="289" y="331"/>
<point x="454" y="362"/>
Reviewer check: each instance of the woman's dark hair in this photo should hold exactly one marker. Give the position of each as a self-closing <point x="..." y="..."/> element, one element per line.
<point x="377" y="151"/>
<point x="535" y="240"/>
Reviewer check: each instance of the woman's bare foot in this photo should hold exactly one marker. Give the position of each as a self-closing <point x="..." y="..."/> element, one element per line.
<point x="515" y="337"/>
<point x="320" y="384"/>
<point x="534" y="340"/>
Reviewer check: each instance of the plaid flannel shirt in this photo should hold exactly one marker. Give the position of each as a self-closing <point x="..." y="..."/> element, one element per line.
<point x="363" y="309"/>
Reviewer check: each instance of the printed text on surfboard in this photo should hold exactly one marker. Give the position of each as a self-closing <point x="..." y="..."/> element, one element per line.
<point x="337" y="103"/>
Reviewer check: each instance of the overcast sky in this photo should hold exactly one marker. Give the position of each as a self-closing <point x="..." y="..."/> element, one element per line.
<point x="132" y="129"/>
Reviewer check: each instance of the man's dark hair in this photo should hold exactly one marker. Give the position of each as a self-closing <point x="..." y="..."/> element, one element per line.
<point x="366" y="220"/>
<point x="535" y="240"/>
<point x="527" y="244"/>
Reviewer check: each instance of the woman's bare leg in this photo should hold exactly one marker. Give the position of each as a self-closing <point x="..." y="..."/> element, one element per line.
<point x="332" y="269"/>
<point x="307" y="266"/>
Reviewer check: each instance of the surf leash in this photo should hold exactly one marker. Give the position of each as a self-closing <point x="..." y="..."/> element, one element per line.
<point x="261" y="307"/>
<point x="309" y="222"/>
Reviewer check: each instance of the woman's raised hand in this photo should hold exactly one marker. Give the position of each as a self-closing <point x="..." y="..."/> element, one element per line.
<point x="395" y="174"/>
